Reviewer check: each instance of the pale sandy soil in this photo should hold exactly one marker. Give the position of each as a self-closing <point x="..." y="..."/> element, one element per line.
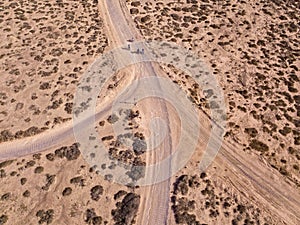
<point x="46" y="46"/>
<point x="24" y="192"/>
<point x="252" y="50"/>
<point x="249" y="47"/>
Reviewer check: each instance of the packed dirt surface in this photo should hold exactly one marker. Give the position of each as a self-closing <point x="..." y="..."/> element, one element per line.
<point x="45" y="48"/>
<point x="251" y="48"/>
<point x="59" y="187"/>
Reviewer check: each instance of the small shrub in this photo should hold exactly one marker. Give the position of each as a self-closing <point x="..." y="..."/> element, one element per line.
<point x="68" y="107"/>
<point x="39" y="169"/>
<point x="291" y="150"/>
<point x="69" y="152"/>
<point x="13" y="173"/>
<point x="283" y="171"/>
<point x="185" y="218"/>
<point x="297" y="140"/>
<point x="119" y="194"/>
<point x="145" y="19"/>
<point x="78" y="181"/>
<point x="136" y="3"/>
<point x="30" y="163"/>
<point x="92" y="218"/>
<point x="127" y="209"/>
<point x="45" y="86"/>
<point x="49" y="180"/>
<point x="45" y="216"/>
<point x="5" y="197"/>
<point x="286" y="130"/>
<point x="96" y="192"/>
<point x="181" y="185"/>
<point x="134" y="11"/>
<point x="50" y="157"/>
<point x="26" y="194"/>
<point x="139" y="146"/>
<point x="112" y="118"/>
<point x="6" y="163"/>
<point x="37" y="156"/>
<point x="241" y="209"/>
<point x="203" y="175"/>
<point x="3" y="219"/>
<point x="23" y="180"/>
<point x="252" y="132"/>
<point x="259" y="146"/>
<point x="67" y="191"/>
<point x="107" y="138"/>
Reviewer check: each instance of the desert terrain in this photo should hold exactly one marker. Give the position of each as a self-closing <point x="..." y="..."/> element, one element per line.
<point x="45" y="47"/>
<point x="252" y="48"/>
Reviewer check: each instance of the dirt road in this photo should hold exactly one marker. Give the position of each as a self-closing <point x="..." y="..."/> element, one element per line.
<point x="249" y="175"/>
<point x="266" y="184"/>
<point x="154" y="207"/>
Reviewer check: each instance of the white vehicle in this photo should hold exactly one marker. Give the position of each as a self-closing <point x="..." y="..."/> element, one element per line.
<point x="131" y="39"/>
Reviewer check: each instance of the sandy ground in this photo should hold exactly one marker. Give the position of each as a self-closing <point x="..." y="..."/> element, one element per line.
<point x="251" y="50"/>
<point x="255" y="60"/>
<point x="45" y="48"/>
<point x="23" y="183"/>
<point x="259" y="78"/>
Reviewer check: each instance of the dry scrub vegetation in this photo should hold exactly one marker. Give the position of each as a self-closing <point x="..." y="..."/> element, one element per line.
<point x="253" y="50"/>
<point x="202" y="199"/>
<point x="45" y="48"/>
<point x="126" y="149"/>
<point x="59" y="187"/>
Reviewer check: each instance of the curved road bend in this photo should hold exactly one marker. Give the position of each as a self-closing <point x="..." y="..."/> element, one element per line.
<point x="278" y="196"/>
<point x="45" y="140"/>
<point x="266" y="184"/>
<point x="154" y="209"/>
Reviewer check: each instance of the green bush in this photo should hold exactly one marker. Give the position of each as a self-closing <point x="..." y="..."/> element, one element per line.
<point x="259" y="146"/>
<point x="3" y="219"/>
